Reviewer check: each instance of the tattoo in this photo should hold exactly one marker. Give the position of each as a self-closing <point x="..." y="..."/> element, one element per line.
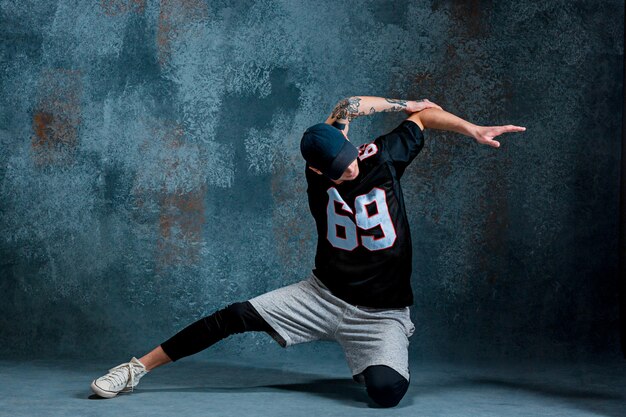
<point x="394" y="101"/>
<point x="389" y="110"/>
<point x="348" y="108"/>
<point x="395" y="108"/>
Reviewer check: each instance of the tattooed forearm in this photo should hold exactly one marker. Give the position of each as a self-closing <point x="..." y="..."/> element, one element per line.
<point x="402" y="103"/>
<point x="350" y="108"/>
<point x="346" y="108"/>
<point x="390" y="109"/>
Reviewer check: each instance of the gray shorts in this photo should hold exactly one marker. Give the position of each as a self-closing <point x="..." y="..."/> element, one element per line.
<point x="308" y="311"/>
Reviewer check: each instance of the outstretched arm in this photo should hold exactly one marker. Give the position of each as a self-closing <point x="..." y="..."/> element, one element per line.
<point x="442" y="120"/>
<point x="350" y="108"/>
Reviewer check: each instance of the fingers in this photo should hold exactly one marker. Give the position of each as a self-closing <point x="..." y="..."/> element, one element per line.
<point x="498" y="130"/>
<point x="430" y="104"/>
<point x="488" y="141"/>
<point x="494" y="131"/>
<point x="512" y="128"/>
<point x="433" y="106"/>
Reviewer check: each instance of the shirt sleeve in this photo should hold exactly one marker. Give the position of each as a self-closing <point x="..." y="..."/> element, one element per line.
<point x="401" y="145"/>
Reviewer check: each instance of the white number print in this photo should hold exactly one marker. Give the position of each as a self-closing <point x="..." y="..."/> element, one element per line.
<point x="335" y="219"/>
<point x="366" y="150"/>
<point x="382" y="218"/>
<point x="363" y="220"/>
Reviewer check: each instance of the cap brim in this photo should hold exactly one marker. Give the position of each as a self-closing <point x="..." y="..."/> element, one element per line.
<point x="342" y="161"/>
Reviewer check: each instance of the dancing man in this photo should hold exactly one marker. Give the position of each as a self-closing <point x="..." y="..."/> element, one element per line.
<point x="359" y="293"/>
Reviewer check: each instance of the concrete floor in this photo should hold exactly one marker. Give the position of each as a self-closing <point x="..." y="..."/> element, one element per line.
<point x="294" y="381"/>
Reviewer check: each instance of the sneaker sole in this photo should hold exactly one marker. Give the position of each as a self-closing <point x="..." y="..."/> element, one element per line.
<point x="102" y="393"/>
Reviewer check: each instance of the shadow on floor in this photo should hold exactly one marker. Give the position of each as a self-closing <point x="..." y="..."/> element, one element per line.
<point x="340" y="389"/>
<point x="220" y="377"/>
<point x="608" y="404"/>
<point x="211" y="377"/>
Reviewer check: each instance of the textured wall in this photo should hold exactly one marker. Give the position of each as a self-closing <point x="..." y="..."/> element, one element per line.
<point x="150" y="170"/>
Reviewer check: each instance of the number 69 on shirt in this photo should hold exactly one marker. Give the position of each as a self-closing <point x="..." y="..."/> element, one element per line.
<point x="363" y="221"/>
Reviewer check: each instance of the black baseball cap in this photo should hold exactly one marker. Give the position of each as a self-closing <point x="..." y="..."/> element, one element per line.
<point x="324" y="147"/>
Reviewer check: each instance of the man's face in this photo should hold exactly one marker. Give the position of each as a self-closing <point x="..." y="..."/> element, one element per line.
<point x="350" y="173"/>
<point x="353" y="169"/>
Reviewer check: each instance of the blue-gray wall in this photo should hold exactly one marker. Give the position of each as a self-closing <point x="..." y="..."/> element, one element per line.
<point x="150" y="170"/>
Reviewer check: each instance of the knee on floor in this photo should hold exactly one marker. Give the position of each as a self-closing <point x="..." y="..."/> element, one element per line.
<point x="384" y="385"/>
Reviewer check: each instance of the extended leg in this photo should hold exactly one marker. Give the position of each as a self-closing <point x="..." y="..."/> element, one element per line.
<point x="155" y="358"/>
<point x="236" y="318"/>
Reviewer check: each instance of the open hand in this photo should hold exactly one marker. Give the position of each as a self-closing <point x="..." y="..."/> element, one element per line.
<point x="413" y="106"/>
<point x="485" y="134"/>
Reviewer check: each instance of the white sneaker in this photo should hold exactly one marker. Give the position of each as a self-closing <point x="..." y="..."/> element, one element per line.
<point x="123" y="378"/>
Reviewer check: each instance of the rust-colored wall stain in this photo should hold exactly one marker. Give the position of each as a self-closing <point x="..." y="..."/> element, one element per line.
<point x="287" y="225"/>
<point x="118" y="7"/>
<point x="467" y="14"/>
<point x="173" y="15"/>
<point x="422" y="77"/>
<point x="487" y="227"/>
<point x="56" y="118"/>
<point x="181" y="216"/>
<point x="180" y="227"/>
<point x="41" y="123"/>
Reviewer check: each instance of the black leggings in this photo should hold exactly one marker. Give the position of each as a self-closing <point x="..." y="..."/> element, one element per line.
<point x="383" y="384"/>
